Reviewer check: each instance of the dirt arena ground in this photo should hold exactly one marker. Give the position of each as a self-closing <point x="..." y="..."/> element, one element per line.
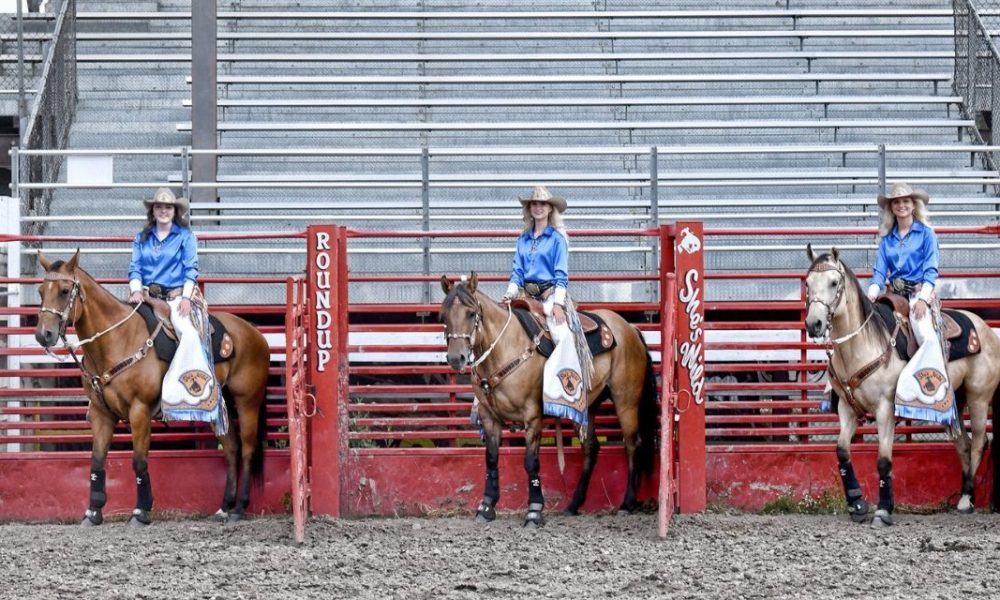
<point x="594" y="556"/>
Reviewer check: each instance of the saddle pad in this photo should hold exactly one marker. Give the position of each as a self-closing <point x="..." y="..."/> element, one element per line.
<point x="166" y="347"/>
<point x="599" y="340"/>
<point x="966" y="343"/>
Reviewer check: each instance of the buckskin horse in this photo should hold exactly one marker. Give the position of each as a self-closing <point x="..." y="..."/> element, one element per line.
<point x="864" y="368"/>
<point x="122" y="380"/>
<point x="477" y="326"/>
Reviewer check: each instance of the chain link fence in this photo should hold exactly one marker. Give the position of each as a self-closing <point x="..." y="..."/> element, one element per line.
<point x="50" y="117"/>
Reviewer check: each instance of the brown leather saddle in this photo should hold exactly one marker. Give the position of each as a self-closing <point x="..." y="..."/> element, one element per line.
<point x="165" y="343"/>
<point x="598" y="334"/>
<point x="953" y="330"/>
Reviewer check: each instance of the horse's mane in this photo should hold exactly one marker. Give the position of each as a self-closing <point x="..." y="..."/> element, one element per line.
<point x="460" y="291"/>
<point x="866" y="305"/>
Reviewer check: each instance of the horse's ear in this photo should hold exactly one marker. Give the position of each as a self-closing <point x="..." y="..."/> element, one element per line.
<point x="46" y="263"/>
<point x="810" y="253"/>
<point x="72" y="263"/>
<point x="445" y="284"/>
<point x="473" y="282"/>
<point x="836" y="254"/>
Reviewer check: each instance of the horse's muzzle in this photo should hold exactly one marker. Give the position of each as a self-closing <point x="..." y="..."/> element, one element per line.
<point x="46" y="337"/>
<point x="814" y="327"/>
<point x="458" y="360"/>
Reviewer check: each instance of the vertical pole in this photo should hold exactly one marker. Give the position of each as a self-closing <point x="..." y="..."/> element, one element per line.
<point x="425" y="207"/>
<point x="204" y="102"/>
<point x="654" y="218"/>
<point x="881" y="169"/>
<point x="22" y="102"/>
<point x="688" y="260"/>
<point x="668" y="491"/>
<point x="11" y="215"/>
<point x="323" y="277"/>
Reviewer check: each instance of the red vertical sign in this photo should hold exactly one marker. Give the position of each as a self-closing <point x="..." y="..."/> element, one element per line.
<point x="689" y="261"/>
<point x="327" y="360"/>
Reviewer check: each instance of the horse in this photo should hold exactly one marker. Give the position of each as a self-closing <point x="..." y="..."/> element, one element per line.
<point x="476" y="326"/>
<point x="863" y="353"/>
<point x="129" y="389"/>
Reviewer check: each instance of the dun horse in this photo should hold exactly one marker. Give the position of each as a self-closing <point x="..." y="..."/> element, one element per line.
<point x="476" y="328"/>
<point x="864" y="356"/>
<point x="71" y="297"/>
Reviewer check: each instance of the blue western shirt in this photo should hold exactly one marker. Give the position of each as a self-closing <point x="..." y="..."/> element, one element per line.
<point x="169" y="263"/>
<point x="913" y="257"/>
<point x="541" y="259"/>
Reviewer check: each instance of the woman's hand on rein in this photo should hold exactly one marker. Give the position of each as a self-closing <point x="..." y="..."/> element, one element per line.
<point x="184" y="309"/>
<point x="559" y="313"/>
<point x="135" y="298"/>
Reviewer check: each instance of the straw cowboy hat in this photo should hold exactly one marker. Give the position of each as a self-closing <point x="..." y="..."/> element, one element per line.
<point x="166" y="196"/>
<point x="541" y="194"/>
<point x="903" y="190"/>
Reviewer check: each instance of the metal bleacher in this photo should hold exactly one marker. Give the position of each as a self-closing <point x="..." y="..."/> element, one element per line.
<point x="759" y="115"/>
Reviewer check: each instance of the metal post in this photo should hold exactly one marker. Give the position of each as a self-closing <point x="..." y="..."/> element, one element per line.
<point x="204" y="103"/>
<point x="15" y="172"/>
<point x="654" y="216"/>
<point x="186" y="171"/>
<point x="881" y="169"/>
<point x="22" y="104"/>
<point x="970" y="66"/>
<point x="425" y="206"/>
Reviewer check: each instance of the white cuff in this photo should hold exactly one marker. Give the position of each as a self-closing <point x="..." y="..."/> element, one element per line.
<point x="926" y="290"/>
<point x="873" y="290"/>
<point x="559" y="296"/>
<point x="134" y="285"/>
<point x="188" y="288"/>
<point x="511" y="290"/>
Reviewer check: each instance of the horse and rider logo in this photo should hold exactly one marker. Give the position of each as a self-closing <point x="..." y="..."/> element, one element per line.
<point x="570" y="381"/>
<point x="195" y="382"/>
<point x="929" y="380"/>
<point x="689" y="242"/>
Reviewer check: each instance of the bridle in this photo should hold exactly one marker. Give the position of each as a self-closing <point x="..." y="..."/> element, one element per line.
<point x="477" y="325"/>
<point x="64" y="315"/>
<point x="830" y="306"/>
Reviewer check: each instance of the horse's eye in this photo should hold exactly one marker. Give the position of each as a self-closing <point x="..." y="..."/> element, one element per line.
<point x="64" y="292"/>
<point x="471" y="316"/>
<point x="833" y="284"/>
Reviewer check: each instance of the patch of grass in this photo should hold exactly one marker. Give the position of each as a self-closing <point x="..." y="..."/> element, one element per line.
<point x="827" y="502"/>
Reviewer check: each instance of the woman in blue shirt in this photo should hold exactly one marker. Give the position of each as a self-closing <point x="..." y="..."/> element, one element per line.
<point x="540" y="265"/>
<point x="907" y="260"/>
<point x="540" y="268"/>
<point x="165" y="252"/>
<point x="165" y="264"/>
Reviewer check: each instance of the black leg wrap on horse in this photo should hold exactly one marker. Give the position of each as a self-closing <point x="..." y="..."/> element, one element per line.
<point x="848" y="478"/>
<point x="885" y="497"/>
<point x="531" y="465"/>
<point x="492" y="487"/>
<point x="98" y="496"/>
<point x="144" y="491"/>
<point x="487" y="510"/>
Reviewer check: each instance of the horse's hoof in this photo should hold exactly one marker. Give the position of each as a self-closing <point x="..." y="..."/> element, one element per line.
<point x="858" y="511"/>
<point x="571" y="512"/>
<point x="966" y="510"/>
<point x="534" y="518"/>
<point x="881" y="519"/>
<point x="485" y="513"/>
<point x="92" y="518"/>
<point x="220" y="516"/>
<point x="235" y="517"/>
<point x="965" y="505"/>
<point x="140" y="518"/>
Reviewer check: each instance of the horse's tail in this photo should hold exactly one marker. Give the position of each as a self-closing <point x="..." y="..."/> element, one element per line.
<point x="995" y="449"/>
<point x="648" y="420"/>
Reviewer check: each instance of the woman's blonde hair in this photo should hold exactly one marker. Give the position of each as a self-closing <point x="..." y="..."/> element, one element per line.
<point x="555" y="217"/>
<point x="889" y="220"/>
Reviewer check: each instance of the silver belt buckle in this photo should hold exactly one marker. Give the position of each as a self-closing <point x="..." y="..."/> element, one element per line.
<point x="532" y="289"/>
